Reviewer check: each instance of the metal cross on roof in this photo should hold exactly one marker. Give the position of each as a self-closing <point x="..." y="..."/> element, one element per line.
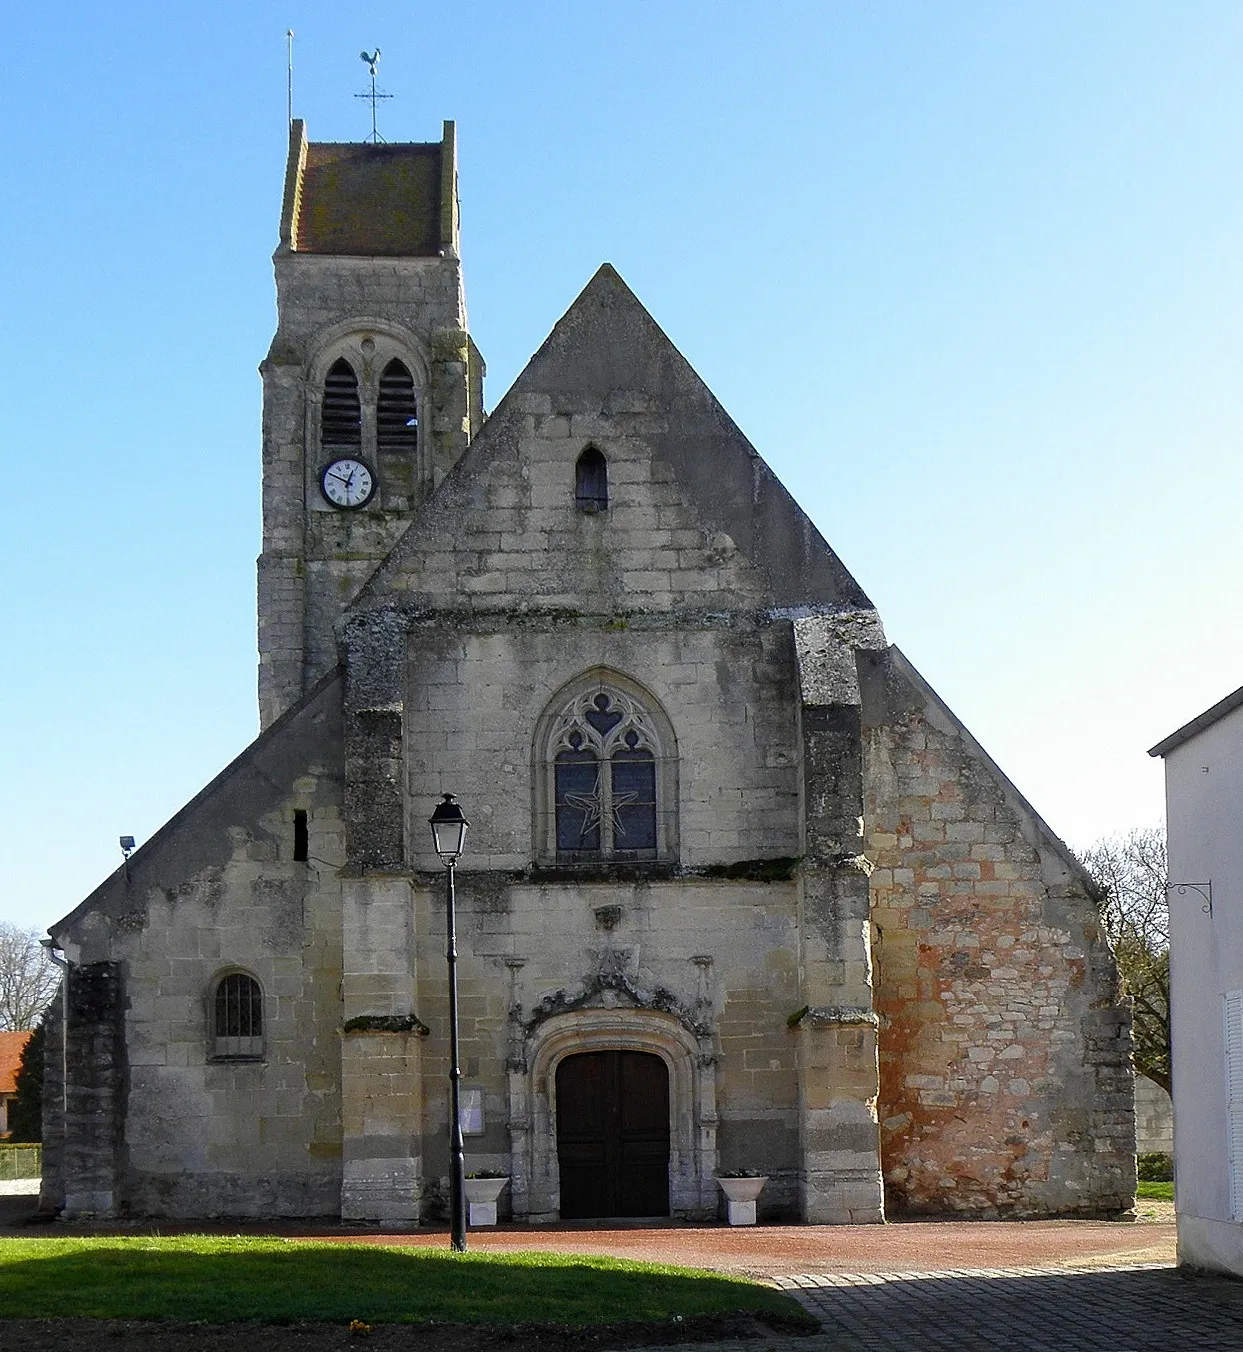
<point x="373" y="60"/>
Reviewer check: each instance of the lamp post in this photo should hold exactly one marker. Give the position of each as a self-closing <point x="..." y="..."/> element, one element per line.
<point x="448" y="823"/>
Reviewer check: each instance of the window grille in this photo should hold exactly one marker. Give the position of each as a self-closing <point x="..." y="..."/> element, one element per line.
<point x="591" y="481"/>
<point x="341" y="422"/>
<point x="397" y="417"/>
<point x="238" y="1017"/>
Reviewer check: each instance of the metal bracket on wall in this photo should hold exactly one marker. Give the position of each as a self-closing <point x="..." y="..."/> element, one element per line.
<point x="1204" y="890"/>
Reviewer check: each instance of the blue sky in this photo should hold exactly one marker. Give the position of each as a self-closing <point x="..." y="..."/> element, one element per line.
<point x="967" y="274"/>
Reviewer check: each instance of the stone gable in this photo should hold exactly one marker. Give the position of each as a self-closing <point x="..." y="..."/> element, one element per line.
<point x="696" y="520"/>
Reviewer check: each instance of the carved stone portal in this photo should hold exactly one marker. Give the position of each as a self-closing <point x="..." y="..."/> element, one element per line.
<point x="692" y="1103"/>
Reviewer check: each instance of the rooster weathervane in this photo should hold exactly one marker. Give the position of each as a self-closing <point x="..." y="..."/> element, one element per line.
<point x="373" y="60"/>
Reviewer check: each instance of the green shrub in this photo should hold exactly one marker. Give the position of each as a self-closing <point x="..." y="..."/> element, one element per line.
<point x="1156" y="1167"/>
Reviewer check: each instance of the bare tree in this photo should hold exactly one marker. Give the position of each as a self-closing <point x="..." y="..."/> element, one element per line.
<point x="1132" y="872"/>
<point x="28" y="978"/>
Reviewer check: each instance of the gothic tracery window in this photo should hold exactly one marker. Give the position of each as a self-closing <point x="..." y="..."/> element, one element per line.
<point x="611" y="776"/>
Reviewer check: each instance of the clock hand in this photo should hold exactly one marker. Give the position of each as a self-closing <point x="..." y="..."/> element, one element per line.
<point x="340" y="478"/>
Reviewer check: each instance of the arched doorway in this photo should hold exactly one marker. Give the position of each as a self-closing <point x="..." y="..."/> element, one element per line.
<point x="613" y="1134"/>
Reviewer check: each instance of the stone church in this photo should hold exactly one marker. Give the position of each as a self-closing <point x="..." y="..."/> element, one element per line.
<point x="739" y="891"/>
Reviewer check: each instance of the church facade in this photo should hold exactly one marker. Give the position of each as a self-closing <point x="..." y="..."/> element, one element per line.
<point x="739" y="890"/>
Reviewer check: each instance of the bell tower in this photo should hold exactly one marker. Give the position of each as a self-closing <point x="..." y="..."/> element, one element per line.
<point x="372" y="387"/>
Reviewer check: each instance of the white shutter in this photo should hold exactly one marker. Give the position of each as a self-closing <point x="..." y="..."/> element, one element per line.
<point x="1232" y="1002"/>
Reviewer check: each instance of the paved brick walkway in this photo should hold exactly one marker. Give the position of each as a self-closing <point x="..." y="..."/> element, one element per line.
<point x="1044" y="1286"/>
<point x="1136" y="1309"/>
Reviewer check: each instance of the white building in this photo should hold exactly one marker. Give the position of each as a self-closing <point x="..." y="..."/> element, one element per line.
<point x="1204" y="806"/>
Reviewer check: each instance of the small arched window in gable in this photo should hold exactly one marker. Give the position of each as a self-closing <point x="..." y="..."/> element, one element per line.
<point x="611" y="783"/>
<point x="237" y="1017"/>
<point x="397" y="415"/>
<point x="591" y="481"/>
<point x="341" y="421"/>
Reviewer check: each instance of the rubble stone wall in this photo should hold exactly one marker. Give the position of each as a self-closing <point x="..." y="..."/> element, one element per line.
<point x="1006" y="1085"/>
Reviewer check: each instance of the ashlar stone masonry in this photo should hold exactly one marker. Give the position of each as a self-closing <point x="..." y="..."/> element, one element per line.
<point x="725" y="842"/>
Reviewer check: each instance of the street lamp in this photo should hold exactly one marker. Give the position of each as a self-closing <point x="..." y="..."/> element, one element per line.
<point x="448" y="823"/>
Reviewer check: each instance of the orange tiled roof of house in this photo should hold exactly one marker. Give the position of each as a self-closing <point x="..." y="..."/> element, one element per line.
<point x="11" y="1045"/>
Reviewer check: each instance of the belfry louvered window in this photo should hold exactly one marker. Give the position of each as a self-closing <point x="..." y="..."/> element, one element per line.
<point x="341" y="421"/>
<point x="397" y="415"/>
<point x="237" y="1017"/>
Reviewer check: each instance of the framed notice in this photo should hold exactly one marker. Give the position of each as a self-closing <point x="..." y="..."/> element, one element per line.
<point x="470" y="1112"/>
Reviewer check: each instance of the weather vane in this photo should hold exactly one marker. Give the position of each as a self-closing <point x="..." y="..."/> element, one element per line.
<point x="373" y="60"/>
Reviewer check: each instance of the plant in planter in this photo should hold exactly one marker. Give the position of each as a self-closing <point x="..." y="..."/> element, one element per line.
<point x="483" y="1189"/>
<point x="742" y="1188"/>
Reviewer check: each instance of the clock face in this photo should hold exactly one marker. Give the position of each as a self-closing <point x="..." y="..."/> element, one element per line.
<point x="347" y="483"/>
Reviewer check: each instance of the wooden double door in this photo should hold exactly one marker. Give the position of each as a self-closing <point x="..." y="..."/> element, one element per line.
<point x="613" y="1135"/>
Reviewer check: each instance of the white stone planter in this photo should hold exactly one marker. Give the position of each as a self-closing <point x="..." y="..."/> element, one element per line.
<point x="740" y="1198"/>
<point x="481" y="1199"/>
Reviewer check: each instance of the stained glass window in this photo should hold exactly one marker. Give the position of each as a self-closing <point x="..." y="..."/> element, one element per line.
<point x="634" y="800"/>
<point x="606" y="779"/>
<point x="578" y="793"/>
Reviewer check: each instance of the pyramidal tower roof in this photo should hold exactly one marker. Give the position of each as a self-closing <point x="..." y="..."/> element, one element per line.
<point x="371" y="200"/>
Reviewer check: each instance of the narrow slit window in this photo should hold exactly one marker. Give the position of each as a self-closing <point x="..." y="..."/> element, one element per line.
<point x="301" y="837"/>
<point x="238" y="1017"/>
<point x="341" y="423"/>
<point x="591" y="481"/>
<point x="397" y="414"/>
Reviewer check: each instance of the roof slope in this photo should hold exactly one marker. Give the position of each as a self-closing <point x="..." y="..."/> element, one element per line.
<point x="1199" y="723"/>
<point x="199" y="836"/>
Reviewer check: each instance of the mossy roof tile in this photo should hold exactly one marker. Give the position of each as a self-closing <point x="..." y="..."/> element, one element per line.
<point x="370" y="200"/>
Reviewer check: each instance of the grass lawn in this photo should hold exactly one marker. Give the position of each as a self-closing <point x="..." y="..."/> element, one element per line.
<point x="1161" y="1192"/>
<point x="222" y="1279"/>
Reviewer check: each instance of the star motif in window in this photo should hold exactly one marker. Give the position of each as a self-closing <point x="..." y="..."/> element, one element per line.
<point x="591" y="805"/>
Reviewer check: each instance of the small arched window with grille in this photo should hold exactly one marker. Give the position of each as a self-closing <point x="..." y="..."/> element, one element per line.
<point x="397" y="414"/>
<point x="609" y="767"/>
<point x="237" y="1018"/>
<point x="341" y="418"/>
<point x="591" y="481"/>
